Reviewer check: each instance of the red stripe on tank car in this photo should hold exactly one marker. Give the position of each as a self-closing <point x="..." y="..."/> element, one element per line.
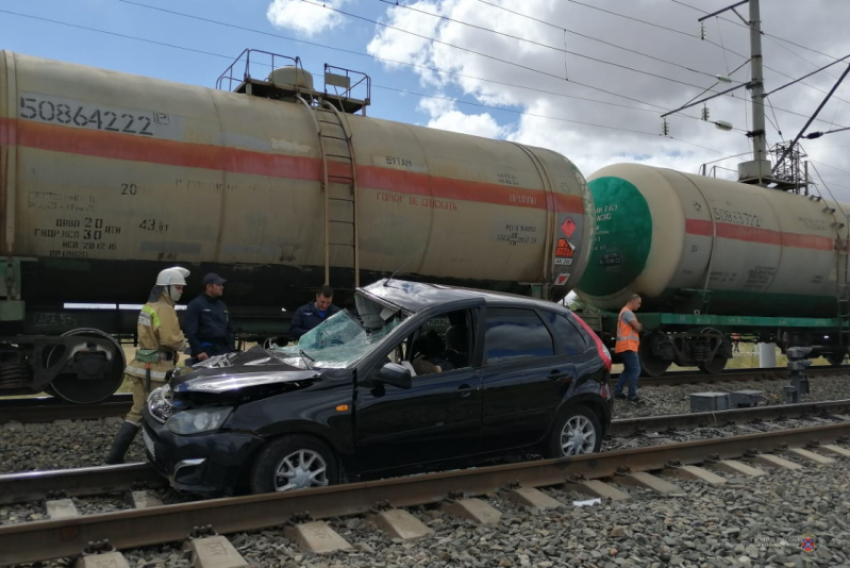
<point x="182" y="154"/>
<point x="758" y="235"/>
<point x="449" y="188"/>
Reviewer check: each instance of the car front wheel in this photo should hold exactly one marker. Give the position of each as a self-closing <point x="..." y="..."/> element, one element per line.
<point x="293" y="462"/>
<point x="577" y="431"/>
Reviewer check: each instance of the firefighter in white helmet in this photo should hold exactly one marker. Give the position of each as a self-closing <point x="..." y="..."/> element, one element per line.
<point x="160" y="344"/>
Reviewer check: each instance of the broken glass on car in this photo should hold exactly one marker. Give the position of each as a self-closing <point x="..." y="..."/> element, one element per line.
<point x="345" y="337"/>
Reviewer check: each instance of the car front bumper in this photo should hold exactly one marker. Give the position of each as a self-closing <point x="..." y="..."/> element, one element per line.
<point x="209" y="465"/>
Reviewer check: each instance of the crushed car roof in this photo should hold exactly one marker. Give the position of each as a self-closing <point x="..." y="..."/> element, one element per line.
<point x="418" y="296"/>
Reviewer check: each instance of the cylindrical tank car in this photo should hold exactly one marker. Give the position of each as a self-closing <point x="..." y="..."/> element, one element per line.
<point x="107" y="178"/>
<point x="710" y="256"/>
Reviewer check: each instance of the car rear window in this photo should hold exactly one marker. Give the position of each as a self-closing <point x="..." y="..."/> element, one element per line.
<point x="573" y="339"/>
<point x="514" y="334"/>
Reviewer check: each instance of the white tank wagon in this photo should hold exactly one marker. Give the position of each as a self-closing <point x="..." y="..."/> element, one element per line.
<point x="106" y="178"/>
<point x="710" y="256"/>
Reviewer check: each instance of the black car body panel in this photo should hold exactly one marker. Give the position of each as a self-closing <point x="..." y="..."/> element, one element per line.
<point x="509" y="375"/>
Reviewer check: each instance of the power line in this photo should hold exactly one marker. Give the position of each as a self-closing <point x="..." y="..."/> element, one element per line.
<point x="230" y="58"/>
<point x="772" y="38"/>
<point x="330" y="8"/>
<point x="829" y="166"/>
<point x="788" y="41"/>
<point x="659" y="26"/>
<point x="522" y="113"/>
<point x="437" y="69"/>
<point x="419" y="66"/>
<point x="480" y="53"/>
<point x="588" y="37"/>
<point x="116" y="34"/>
<point x="539" y="44"/>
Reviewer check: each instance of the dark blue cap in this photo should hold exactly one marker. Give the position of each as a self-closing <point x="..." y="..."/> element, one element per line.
<point x="213" y="278"/>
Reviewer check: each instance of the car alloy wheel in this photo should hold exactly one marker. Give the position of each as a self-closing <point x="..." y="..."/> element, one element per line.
<point x="578" y="436"/>
<point x="301" y="469"/>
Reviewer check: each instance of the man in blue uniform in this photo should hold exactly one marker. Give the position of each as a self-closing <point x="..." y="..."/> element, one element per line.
<point x="207" y="322"/>
<point x="310" y="315"/>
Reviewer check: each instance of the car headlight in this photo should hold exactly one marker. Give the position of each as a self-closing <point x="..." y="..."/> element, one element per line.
<point x="198" y="420"/>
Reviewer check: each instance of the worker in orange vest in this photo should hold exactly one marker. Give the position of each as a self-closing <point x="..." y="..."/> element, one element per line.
<point x="628" y="342"/>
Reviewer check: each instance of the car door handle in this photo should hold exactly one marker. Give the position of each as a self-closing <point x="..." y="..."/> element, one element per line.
<point x="465" y="390"/>
<point x="557" y="375"/>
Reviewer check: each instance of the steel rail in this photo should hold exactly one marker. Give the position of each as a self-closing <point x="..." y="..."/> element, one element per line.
<point x="46" y="540"/>
<point x="36" y="485"/>
<point x="49" y="409"/>
<point x="667" y="422"/>
<point x="738" y="375"/>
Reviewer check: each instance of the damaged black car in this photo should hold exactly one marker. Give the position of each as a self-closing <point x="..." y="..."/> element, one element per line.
<point x="415" y="377"/>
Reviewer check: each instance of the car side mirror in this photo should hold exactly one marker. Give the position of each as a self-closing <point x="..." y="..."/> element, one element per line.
<point x="396" y="375"/>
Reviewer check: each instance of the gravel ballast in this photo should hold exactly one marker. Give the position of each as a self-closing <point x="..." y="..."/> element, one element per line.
<point x="748" y="522"/>
<point x="657" y="400"/>
<point x="85" y="443"/>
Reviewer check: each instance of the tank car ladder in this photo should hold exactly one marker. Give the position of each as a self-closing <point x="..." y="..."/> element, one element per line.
<point x="339" y="185"/>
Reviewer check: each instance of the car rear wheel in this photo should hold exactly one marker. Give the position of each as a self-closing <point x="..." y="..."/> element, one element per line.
<point x="577" y="431"/>
<point x="293" y="462"/>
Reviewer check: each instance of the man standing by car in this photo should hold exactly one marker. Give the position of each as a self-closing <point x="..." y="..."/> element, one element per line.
<point x="160" y="343"/>
<point x="310" y="315"/>
<point x="627" y="345"/>
<point x="207" y="321"/>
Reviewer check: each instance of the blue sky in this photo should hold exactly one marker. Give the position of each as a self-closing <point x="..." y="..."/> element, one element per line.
<point x="623" y="63"/>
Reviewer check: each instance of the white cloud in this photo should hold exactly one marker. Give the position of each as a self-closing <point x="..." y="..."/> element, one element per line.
<point x="393" y="45"/>
<point x="305" y="17"/>
<point x="445" y="116"/>
<point x="477" y="124"/>
<point x="576" y="111"/>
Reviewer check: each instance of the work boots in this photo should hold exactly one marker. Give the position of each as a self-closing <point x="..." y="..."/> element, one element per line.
<point x="121" y="443"/>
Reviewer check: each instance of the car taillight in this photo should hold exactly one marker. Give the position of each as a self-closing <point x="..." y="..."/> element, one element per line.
<point x="600" y="347"/>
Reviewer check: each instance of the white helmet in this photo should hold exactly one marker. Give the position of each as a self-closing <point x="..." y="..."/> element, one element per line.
<point x="172" y="277"/>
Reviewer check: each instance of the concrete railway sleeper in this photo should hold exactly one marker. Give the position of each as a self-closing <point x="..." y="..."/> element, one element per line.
<point x="655" y="468"/>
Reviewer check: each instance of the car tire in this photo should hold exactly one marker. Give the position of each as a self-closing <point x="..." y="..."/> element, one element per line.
<point x="293" y="462"/>
<point x="574" y="421"/>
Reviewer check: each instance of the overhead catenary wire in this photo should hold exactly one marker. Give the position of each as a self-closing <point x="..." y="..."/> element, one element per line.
<point x="589" y="37"/>
<point x="481" y="53"/>
<point x="658" y="26"/>
<point x="443" y="71"/>
<point x="534" y="115"/>
<point x="772" y="38"/>
<point x="230" y="58"/>
<point x="525" y="40"/>
<point x="831" y="195"/>
<point x="488" y="56"/>
<point x="655" y="107"/>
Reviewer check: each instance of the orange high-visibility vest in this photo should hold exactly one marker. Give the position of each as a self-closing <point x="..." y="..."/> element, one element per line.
<point x="627" y="337"/>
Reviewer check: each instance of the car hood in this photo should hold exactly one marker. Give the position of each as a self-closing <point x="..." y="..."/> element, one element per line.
<point x="251" y="370"/>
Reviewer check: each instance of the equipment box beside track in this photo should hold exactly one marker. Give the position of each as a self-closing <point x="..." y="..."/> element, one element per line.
<point x="710" y="401"/>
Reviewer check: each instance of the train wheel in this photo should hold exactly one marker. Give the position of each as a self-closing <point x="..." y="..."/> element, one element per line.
<point x="835" y="359"/>
<point x="715" y="366"/>
<point x="718" y="363"/>
<point x="650" y="364"/>
<point x="71" y="387"/>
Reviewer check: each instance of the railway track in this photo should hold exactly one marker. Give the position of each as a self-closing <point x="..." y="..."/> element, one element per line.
<point x="38" y="485"/>
<point x="49" y="409"/>
<point x="385" y="500"/>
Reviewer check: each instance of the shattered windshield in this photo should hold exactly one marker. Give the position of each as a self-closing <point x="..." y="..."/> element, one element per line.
<point x="343" y="339"/>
